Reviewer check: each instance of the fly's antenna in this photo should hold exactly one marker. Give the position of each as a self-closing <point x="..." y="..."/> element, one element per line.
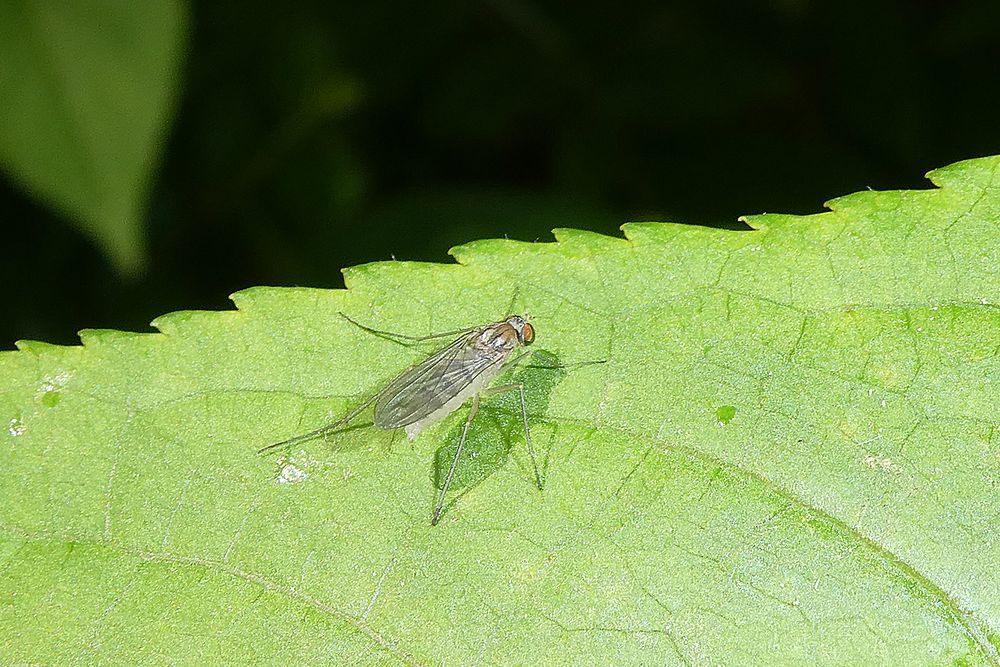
<point x="399" y="338"/>
<point x="513" y="300"/>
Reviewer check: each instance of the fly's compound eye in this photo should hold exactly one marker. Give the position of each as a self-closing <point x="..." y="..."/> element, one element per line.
<point x="527" y="334"/>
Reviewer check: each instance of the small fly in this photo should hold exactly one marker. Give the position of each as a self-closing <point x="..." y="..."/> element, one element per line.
<point x="431" y="390"/>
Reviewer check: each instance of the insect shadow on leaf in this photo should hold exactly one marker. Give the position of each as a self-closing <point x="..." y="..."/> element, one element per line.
<point x="498" y="428"/>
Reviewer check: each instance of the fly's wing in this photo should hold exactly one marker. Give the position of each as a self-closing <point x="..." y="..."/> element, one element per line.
<point x="430" y="384"/>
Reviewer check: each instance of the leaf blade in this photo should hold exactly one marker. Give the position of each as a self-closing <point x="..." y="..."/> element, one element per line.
<point x="844" y="510"/>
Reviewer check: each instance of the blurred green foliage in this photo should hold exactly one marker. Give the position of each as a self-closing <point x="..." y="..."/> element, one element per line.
<point x="314" y="136"/>
<point x="87" y="91"/>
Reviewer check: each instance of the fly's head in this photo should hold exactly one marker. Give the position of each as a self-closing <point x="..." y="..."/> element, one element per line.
<point x="503" y="337"/>
<point x="525" y="332"/>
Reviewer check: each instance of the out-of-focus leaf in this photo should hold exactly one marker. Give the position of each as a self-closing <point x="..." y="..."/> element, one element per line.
<point x="86" y="90"/>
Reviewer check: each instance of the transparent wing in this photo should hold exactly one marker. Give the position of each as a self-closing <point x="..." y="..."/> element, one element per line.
<point x="430" y="384"/>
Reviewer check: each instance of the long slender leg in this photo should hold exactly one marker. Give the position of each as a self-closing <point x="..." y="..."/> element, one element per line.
<point x="524" y="419"/>
<point x="454" y="462"/>
<point x="573" y="364"/>
<point x="416" y="339"/>
<point x="324" y="429"/>
<point x="527" y="435"/>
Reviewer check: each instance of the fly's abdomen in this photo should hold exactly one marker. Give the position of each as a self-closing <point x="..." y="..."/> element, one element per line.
<point x="417" y="407"/>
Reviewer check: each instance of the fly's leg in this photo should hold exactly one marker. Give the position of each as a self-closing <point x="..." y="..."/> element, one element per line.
<point x="415" y="339"/>
<point x="465" y="432"/>
<point x="527" y="435"/>
<point x="552" y="367"/>
<point x="454" y="462"/>
<point x="519" y="388"/>
<point x="392" y="440"/>
<point x="322" y="430"/>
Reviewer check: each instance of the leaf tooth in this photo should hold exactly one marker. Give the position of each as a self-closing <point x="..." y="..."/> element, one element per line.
<point x="379" y="277"/>
<point x="172" y="323"/>
<point x="659" y="233"/>
<point x="37" y="347"/>
<point x="758" y="222"/>
<point x="482" y="250"/>
<point x="581" y="238"/>
<point x="640" y="232"/>
<point x="968" y="175"/>
<point x="95" y="337"/>
<point x="271" y="298"/>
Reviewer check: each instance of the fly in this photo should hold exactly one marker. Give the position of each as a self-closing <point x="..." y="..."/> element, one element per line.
<point x="434" y="388"/>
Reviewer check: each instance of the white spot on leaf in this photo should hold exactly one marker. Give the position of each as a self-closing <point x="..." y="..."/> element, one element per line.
<point x="290" y="474"/>
<point x="53" y="383"/>
<point x="15" y="427"/>
<point x="295" y="468"/>
<point x="876" y="462"/>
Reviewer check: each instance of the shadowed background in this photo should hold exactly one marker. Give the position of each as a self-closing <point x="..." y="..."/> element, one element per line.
<point x="305" y="139"/>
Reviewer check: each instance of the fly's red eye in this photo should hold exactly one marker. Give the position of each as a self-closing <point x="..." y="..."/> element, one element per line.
<point x="527" y="334"/>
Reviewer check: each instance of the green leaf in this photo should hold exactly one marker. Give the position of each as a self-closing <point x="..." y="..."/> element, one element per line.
<point x="791" y="456"/>
<point x="86" y="91"/>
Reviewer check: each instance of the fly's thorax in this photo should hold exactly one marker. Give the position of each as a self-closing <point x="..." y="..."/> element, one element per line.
<point x="497" y="339"/>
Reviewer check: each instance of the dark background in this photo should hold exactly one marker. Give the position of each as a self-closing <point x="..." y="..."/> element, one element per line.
<point x="311" y="138"/>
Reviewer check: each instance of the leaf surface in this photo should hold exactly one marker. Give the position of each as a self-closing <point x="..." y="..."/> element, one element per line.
<point x="789" y="456"/>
